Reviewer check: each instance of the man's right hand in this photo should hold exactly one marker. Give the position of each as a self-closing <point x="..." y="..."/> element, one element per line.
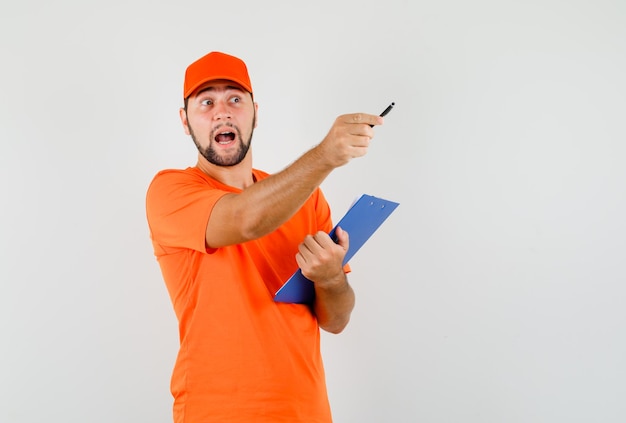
<point x="348" y="138"/>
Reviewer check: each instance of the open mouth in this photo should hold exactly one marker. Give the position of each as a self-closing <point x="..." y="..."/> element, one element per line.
<point x="225" y="137"/>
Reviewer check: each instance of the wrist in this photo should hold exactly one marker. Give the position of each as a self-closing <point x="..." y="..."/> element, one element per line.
<point x="334" y="285"/>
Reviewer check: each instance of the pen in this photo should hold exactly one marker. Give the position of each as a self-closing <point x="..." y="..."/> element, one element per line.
<point x="387" y="110"/>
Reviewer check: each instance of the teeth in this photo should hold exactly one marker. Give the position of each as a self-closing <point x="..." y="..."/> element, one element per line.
<point x="225" y="137"/>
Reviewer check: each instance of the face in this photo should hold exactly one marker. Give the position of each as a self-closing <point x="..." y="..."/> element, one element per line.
<point x="220" y="118"/>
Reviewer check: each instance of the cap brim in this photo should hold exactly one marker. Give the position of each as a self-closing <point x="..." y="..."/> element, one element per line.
<point x="200" y="83"/>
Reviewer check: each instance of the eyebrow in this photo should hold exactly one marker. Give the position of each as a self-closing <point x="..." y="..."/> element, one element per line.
<point x="212" y="88"/>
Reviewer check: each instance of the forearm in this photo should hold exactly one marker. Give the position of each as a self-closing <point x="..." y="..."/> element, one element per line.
<point x="333" y="305"/>
<point x="269" y="203"/>
<point x="265" y="205"/>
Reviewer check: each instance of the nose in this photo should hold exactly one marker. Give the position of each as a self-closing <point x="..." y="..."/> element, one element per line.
<point x="221" y="111"/>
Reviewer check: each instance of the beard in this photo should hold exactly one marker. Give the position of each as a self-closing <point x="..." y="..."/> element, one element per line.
<point x="212" y="155"/>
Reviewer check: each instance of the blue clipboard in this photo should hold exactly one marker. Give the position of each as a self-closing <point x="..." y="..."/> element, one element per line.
<point x="360" y="221"/>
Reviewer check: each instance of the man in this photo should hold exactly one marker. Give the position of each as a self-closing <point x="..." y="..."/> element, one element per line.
<point x="227" y="235"/>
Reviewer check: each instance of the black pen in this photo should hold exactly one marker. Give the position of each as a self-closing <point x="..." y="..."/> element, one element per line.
<point x="387" y="110"/>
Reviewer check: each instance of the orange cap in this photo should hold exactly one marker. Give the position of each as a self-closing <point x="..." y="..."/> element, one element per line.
<point x="216" y="65"/>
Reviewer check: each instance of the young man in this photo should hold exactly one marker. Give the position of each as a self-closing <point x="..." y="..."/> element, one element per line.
<point x="227" y="236"/>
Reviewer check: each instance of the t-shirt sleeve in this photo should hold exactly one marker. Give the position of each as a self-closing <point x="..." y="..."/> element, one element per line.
<point x="322" y="210"/>
<point x="178" y="206"/>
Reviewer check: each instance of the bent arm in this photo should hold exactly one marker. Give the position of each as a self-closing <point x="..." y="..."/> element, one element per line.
<point x="321" y="261"/>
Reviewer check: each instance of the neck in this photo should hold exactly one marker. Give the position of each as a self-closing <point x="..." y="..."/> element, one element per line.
<point x="238" y="176"/>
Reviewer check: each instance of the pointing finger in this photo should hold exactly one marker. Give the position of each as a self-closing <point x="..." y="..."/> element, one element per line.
<point x="364" y="118"/>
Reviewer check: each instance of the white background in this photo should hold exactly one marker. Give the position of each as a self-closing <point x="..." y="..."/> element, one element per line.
<point x="494" y="293"/>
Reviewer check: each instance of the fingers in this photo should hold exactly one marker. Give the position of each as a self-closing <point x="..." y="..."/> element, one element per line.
<point x="314" y="245"/>
<point x="349" y="137"/>
<point x="359" y="124"/>
<point x="362" y="118"/>
<point x="320" y="247"/>
<point x="319" y="258"/>
<point x="342" y="238"/>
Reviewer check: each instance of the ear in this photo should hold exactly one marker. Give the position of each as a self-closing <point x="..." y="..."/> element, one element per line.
<point x="183" y="120"/>
<point x="256" y="114"/>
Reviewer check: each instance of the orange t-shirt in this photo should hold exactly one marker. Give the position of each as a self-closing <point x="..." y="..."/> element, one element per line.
<point x="243" y="357"/>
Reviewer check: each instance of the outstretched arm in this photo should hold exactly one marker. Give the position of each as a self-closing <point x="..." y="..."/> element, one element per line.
<point x="262" y="207"/>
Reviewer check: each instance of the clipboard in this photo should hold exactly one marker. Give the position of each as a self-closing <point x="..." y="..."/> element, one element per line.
<point x="361" y="220"/>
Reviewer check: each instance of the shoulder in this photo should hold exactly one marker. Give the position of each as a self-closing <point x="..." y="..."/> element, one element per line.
<point x="173" y="185"/>
<point x="172" y="175"/>
<point x="173" y="179"/>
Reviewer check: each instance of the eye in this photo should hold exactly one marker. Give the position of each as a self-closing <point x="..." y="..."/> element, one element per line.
<point x="206" y="102"/>
<point x="235" y="100"/>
